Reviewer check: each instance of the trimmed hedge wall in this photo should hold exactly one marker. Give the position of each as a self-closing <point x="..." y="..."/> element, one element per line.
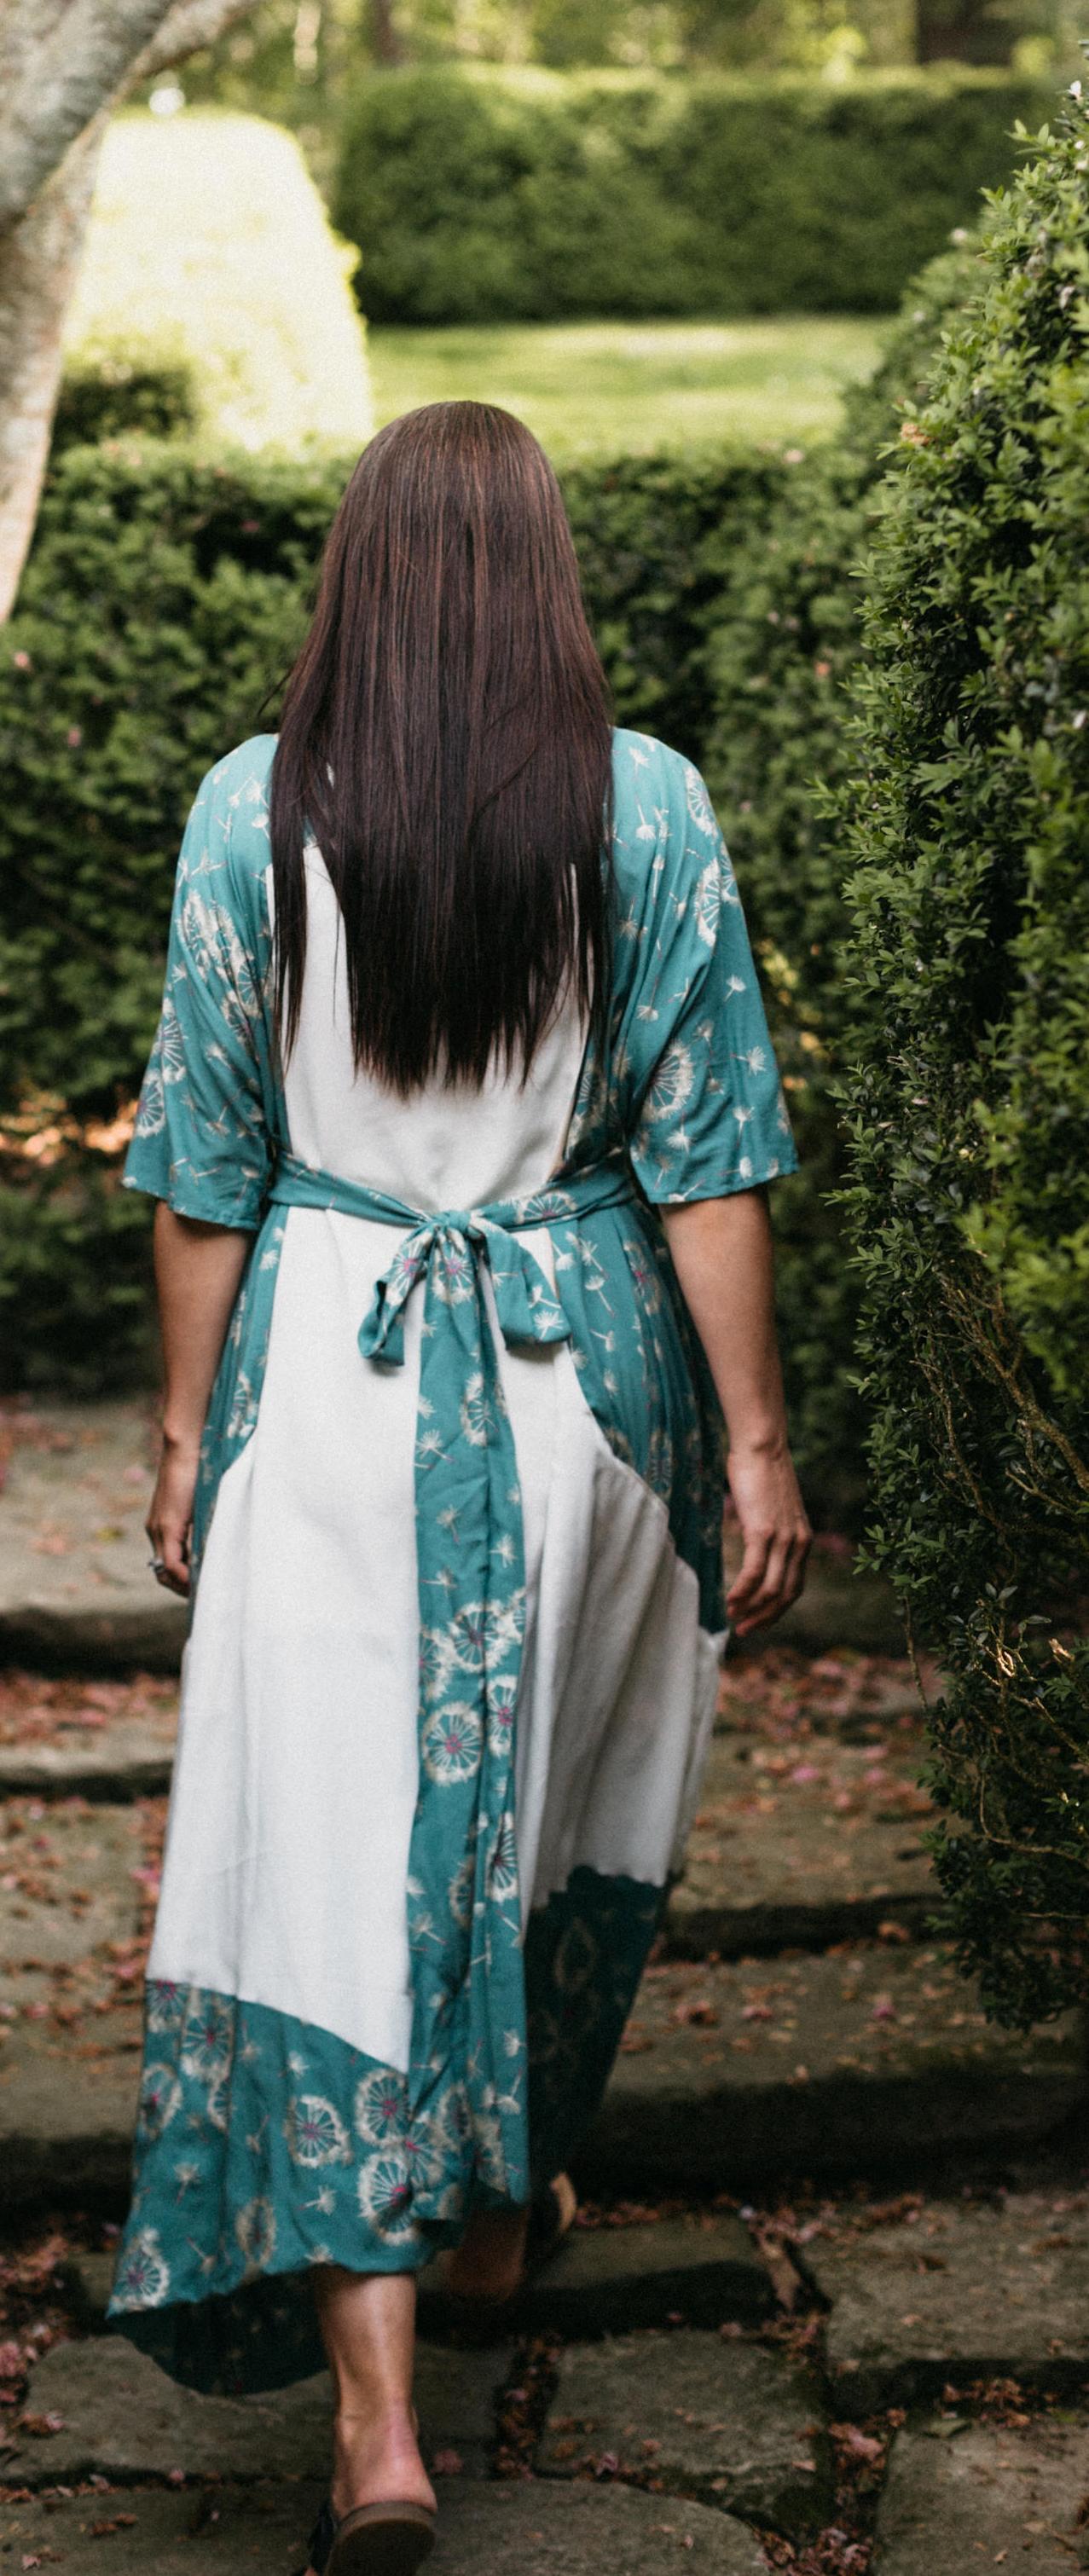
<point x="968" y="1094"/>
<point x="783" y="643"/>
<point x="161" y="605"/>
<point x="480" y="196"/>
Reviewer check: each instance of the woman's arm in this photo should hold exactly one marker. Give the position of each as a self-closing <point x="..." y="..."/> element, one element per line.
<point x="197" y="1271"/>
<point x="722" y="1254"/>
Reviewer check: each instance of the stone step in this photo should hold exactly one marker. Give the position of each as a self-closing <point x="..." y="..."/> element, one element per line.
<point x="872" y="2059"/>
<point x="114" y="1768"/>
<point x="67" y="1882"/>
<point x="876" y="2057"/>
<point x="73" y="1889"/>
<point x="119" y="2416"/>
<point x="74" y="1581"/>
<point x="839" y="1607"/>
<point x="967" y="2495"/>
<point x="805" y="1844"/>
<point x="956" y="2291"/>
<point x="67" y="2113"/>
<point x="827" y="1848"/>
<point x="63" y="1736"/>
<point x="75" y="1590"/>
<point x="727" y="2422"/>
<point x="700" y="2268"/>
<point x="537" y="2526"/>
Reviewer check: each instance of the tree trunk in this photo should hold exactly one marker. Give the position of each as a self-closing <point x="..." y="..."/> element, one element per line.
<point x="39" y="260"/>
<point x="60" y="60"/>
<point x="385" y="40"/>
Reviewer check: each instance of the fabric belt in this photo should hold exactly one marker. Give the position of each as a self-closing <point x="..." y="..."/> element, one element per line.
<point x="466" y="2128"/>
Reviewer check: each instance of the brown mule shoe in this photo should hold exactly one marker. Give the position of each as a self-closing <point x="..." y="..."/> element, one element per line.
<point x="372" y="2540"/>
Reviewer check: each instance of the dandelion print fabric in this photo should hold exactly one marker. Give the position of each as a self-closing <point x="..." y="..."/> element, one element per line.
<point x="462" y="1453"/>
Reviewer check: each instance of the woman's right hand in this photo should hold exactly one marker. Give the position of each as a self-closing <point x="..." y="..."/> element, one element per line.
<point x="722" y="1254"/>
<point x="775" y="1532"/>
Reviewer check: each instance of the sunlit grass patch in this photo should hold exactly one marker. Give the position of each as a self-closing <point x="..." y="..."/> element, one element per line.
<point x="630" y="388"/>
<point x="210" y="248"/>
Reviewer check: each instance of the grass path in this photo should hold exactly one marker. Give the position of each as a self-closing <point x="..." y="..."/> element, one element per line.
<point x="625" y="387"/>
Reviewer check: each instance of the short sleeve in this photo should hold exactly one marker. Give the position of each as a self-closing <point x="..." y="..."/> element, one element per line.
<point x="708" y="1116"/>
<point x="201" y="1139"/>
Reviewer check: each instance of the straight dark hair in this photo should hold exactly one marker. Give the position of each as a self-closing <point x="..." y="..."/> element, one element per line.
<point x="446" y="740"/>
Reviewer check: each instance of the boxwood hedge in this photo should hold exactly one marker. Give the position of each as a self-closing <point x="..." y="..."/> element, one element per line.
<point x="783" y="643"/>
<point x="967" y="1097"/>
<point x="488" y="195"/>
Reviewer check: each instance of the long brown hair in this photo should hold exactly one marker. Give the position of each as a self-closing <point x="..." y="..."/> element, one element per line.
<point x="446" y="740"/>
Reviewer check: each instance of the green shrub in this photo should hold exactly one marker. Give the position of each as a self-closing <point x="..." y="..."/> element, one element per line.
<point x="162" y="603"/>
<point x="968" y="1092"/>
<point x="784" y="640"/>
<point x="649" y="535"/>
<point x="118" y="398"/>
<point x="491" y="195"/>
<point x="76" y="1312"/>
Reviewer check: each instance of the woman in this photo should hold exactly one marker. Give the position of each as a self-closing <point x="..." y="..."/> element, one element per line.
<point x="459" y="1113"/>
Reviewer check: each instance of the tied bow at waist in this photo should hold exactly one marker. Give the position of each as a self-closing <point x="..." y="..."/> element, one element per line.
<point x="465" y="2128"/>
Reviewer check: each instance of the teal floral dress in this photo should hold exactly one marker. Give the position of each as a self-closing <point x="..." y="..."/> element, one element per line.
<point x="519" y="1427"/>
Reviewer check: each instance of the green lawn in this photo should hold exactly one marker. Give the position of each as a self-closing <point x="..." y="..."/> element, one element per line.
<point x="612" y="388"/>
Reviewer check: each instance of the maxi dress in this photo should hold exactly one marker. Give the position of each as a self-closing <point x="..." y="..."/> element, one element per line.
<point x="451" y="1666"/>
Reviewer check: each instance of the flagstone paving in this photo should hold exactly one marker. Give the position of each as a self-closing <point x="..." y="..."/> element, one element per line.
<point x="651" y="2444"/>
<point x="997" y="2289"/>
<point x="722" y="2420"/>
<point x="814" y="1842"/>
<point x="73" y="1553"/>
<point x="538" y="2528"/>
<point x="865" y="2058"/>
<point x="120" y="2417"/>
<point x="986" y="2496"/>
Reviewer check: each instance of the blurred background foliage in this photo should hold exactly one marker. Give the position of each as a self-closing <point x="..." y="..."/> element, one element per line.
<point x="496" y="195"/>
<point x="291" y="58"/>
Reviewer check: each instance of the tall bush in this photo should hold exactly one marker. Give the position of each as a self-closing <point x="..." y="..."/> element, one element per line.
<point x="487" y="196"/>
<point x="968" y="1096"/>
<point x="209" y="258"/>
<point x="784" y="642"/>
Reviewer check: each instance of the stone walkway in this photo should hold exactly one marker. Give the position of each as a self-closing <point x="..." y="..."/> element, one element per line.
<point x="915" y="2443"/>
<point x="827" y="2310"/>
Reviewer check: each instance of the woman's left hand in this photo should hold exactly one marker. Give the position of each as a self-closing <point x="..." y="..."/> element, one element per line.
<point x="170" y="1519"/>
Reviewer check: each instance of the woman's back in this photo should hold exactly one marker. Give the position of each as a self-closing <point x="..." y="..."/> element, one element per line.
<point x="438" y="1147"/>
